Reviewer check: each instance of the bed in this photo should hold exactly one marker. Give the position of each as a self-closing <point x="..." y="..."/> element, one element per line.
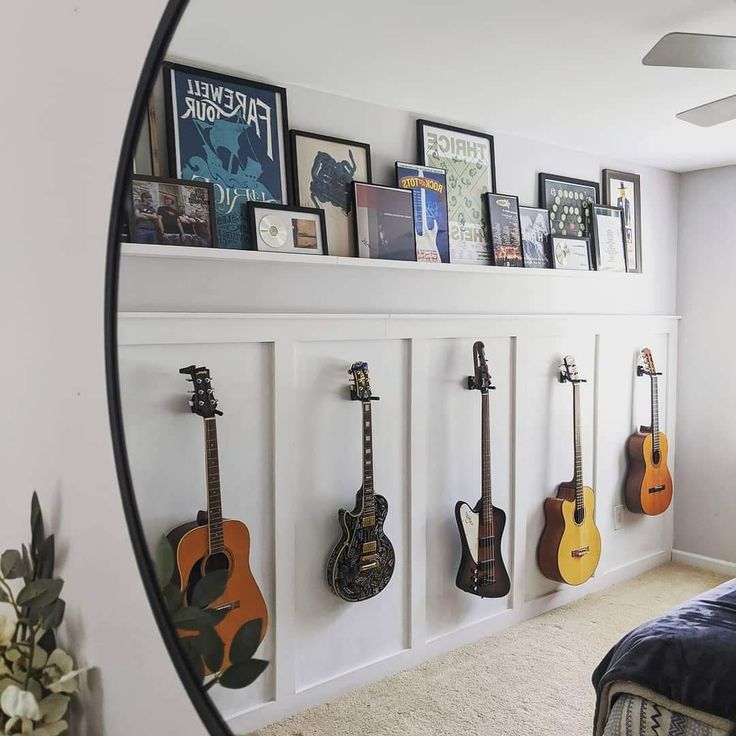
<point x="675" y="675"/>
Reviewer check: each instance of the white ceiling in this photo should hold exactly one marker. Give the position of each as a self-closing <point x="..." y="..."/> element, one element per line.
<point x="566" y="72"/>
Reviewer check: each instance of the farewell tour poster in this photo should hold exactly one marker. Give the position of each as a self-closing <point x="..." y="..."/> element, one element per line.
<point x="429" y="188"/>
<point x="230" y="132"/>
<point x="467" y="158"/>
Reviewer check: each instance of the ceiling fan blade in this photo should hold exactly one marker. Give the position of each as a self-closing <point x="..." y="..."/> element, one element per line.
<point x="714" y="113"/>
<point x="693" y="50"/>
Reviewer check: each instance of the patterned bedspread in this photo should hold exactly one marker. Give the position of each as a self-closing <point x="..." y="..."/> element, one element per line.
<point x="632" y="715"/>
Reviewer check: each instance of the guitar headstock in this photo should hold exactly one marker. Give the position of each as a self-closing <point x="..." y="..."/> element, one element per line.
<point x="569" y="371"/>
<point x="361" y="388"/>
<point x="202" y="400"/>
<point x="646" y="367"/>
<point x="481" y="380"/>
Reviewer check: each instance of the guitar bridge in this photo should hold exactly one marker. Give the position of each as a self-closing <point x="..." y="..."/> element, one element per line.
<point x="656" y="489"/>
<point x="368" y="562"/>
<point x="581" y="552"/>
<point x="225" y="606"/>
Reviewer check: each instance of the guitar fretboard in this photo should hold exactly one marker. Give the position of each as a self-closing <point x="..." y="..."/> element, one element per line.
<point x="214" y="501"/>
<point x="369" y="507"/>
<point x="485" y="529"/>
<point x="655" y="414"/>
<point x="579" y="508"/>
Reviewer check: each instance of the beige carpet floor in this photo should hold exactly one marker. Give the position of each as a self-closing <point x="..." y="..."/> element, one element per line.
<point x="532" y="679"/>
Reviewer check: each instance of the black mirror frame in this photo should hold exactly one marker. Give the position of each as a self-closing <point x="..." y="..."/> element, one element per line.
<point x="204" y="706"/>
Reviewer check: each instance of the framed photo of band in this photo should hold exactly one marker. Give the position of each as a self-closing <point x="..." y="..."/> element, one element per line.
<point x="384" y="222"/>
<point x="282" y="228"/>
<point x="468" y="158"/>
<point x="231" y="132"/>
<point x="568" y="202"/>
<point x="571" y="253"/>
<point x="535" y="237"/>
<point x="609" y="247"/>
<point x="324" y="171"/>
<point x="623" y="190"/>
<point x="503" y="217"/>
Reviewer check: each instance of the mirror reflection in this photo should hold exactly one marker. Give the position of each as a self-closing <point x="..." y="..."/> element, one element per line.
<point x="398" y="347"/>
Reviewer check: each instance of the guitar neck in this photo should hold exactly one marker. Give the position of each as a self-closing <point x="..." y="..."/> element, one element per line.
<point x="369" y="510"/>
<point x="578" y="448"/>
<point x="655" y="414"/>
<point x="214" y="500"/>
<point x="485" y="463"/>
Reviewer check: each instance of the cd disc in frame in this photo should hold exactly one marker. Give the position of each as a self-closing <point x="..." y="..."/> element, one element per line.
<point x="273" y="231"/>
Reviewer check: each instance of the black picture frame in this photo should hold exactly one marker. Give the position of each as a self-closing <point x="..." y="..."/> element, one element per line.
<point x="410" y="234"/>
<point x="536" y="254"/>
<point x="592" y="191"/>
<point x="598" y="257"/>
<point x="505" y="223"/>
<point x="582" y="246"/>
<point x="179" y="183"/>
<point x="476" y="249"/>
<point x="240" y="236"/>
<point x="251" y="208"/>
<point x="339" y="231"/>
<point x="610" y="176"/>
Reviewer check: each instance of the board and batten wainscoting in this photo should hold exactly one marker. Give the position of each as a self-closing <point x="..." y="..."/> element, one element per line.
<point x="290" y="455"/>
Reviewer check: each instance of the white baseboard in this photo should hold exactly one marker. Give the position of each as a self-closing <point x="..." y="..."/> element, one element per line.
<point x="704" y="563"/>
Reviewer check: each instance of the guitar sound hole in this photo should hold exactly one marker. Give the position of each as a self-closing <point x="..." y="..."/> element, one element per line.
<point x="218" y="561"/>
<point x="579" y="516"/>
<point x="656" y="457"/>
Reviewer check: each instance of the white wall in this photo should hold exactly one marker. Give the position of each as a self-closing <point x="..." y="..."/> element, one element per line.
<point x="70" y="69"/>
<point x="706" y="456"/>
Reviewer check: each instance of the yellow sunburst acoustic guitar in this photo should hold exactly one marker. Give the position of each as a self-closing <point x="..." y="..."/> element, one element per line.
<point x="648" y="480"/>
<point x="570" y="547"/>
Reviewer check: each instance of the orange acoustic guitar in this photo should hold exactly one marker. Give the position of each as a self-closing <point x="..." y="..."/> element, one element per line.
<point x="648" y="479"/>
<point x="213" y="543"/>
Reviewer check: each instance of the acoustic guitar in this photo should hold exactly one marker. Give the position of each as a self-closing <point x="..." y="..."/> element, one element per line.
<point x="648" y="487"/>
<point x="482" y="571"/>
<point x="362" y="562"/>
<point x="212" y="543"/>
<point x="570" y="547"/>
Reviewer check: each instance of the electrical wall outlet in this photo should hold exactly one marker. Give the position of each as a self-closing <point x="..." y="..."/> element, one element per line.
<point x="618" y="517"/>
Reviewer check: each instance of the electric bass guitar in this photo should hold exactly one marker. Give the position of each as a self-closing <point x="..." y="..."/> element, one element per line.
<point x="482" y="571"/>
<point x="362" y="562"/>
<point x="570" y="547"/>
<point x="212" y="543"/>
<point x="648" y="487"/>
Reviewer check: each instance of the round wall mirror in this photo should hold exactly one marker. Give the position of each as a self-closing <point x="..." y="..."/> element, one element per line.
<point x="382" y="280"/>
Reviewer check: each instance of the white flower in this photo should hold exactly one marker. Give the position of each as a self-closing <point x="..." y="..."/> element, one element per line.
<point x="7" y="629"/>
<point x="17" y="703"/>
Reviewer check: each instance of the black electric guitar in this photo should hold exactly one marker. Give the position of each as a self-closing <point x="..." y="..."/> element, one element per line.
<point x="362" y="562"/>
<point x="482" y="570"/>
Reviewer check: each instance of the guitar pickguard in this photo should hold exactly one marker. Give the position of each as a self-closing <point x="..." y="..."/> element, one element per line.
<point x="470" y="521"/>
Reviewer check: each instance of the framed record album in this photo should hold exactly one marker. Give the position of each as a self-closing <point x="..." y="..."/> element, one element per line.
<point x="571" y="253"/>
<point x="568" y="203"/>
<point x="384" y="222"/>
<point x="324" y="171"/>
<point x="624" y="190"/>
<point x="468" y="158"/>
<point x="231" y="132"/>
<point x="609" y="238"/>
<point x="535" y="237"/>
<point x="429" y="188"/>
<point x="503" y="217"/>
<point x="280" y="228"/>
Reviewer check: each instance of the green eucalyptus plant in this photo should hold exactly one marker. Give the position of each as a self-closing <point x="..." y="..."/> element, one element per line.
<point x="37" y="678"/>
<point x="195" y="624"/>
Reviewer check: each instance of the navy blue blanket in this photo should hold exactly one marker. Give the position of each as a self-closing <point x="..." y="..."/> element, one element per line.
<point x="688" y="655"/>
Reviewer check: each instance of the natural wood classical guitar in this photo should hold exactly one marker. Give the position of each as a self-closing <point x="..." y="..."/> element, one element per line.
<point x="362" y="562"/>
<point x="213" y="543"/>
<point x="482" y="570"/>
<point x="648" y="479"/>
<point x="570" y="546"/>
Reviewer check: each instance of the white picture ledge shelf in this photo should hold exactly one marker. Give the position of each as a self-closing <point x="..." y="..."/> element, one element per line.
<point x="177" y="252"/>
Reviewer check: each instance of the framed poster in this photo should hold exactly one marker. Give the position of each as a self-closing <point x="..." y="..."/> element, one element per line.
<point x="624" y="190"/>
<point x="324" y="171"/>
<point x="429" y="187"/>
<point x="608" y="238"/>
<point x="535" y="237"/>
<point x="468" y="157"/>
<point x="282" y="228"/>
<point x="172" y="212"/>
<point x="230" y="132"/>
<point x="571" y="253"/>
<point x="505" y="228"/>
<point x="384" y="222"/>
<point x="568" y="203"/>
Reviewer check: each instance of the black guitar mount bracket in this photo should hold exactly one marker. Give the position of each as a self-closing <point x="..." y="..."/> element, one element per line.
<point x="354" y="396"/>
<point x="472" y="385"/>
<point x="641" y="372"/>
<point x="565" y="379"/>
